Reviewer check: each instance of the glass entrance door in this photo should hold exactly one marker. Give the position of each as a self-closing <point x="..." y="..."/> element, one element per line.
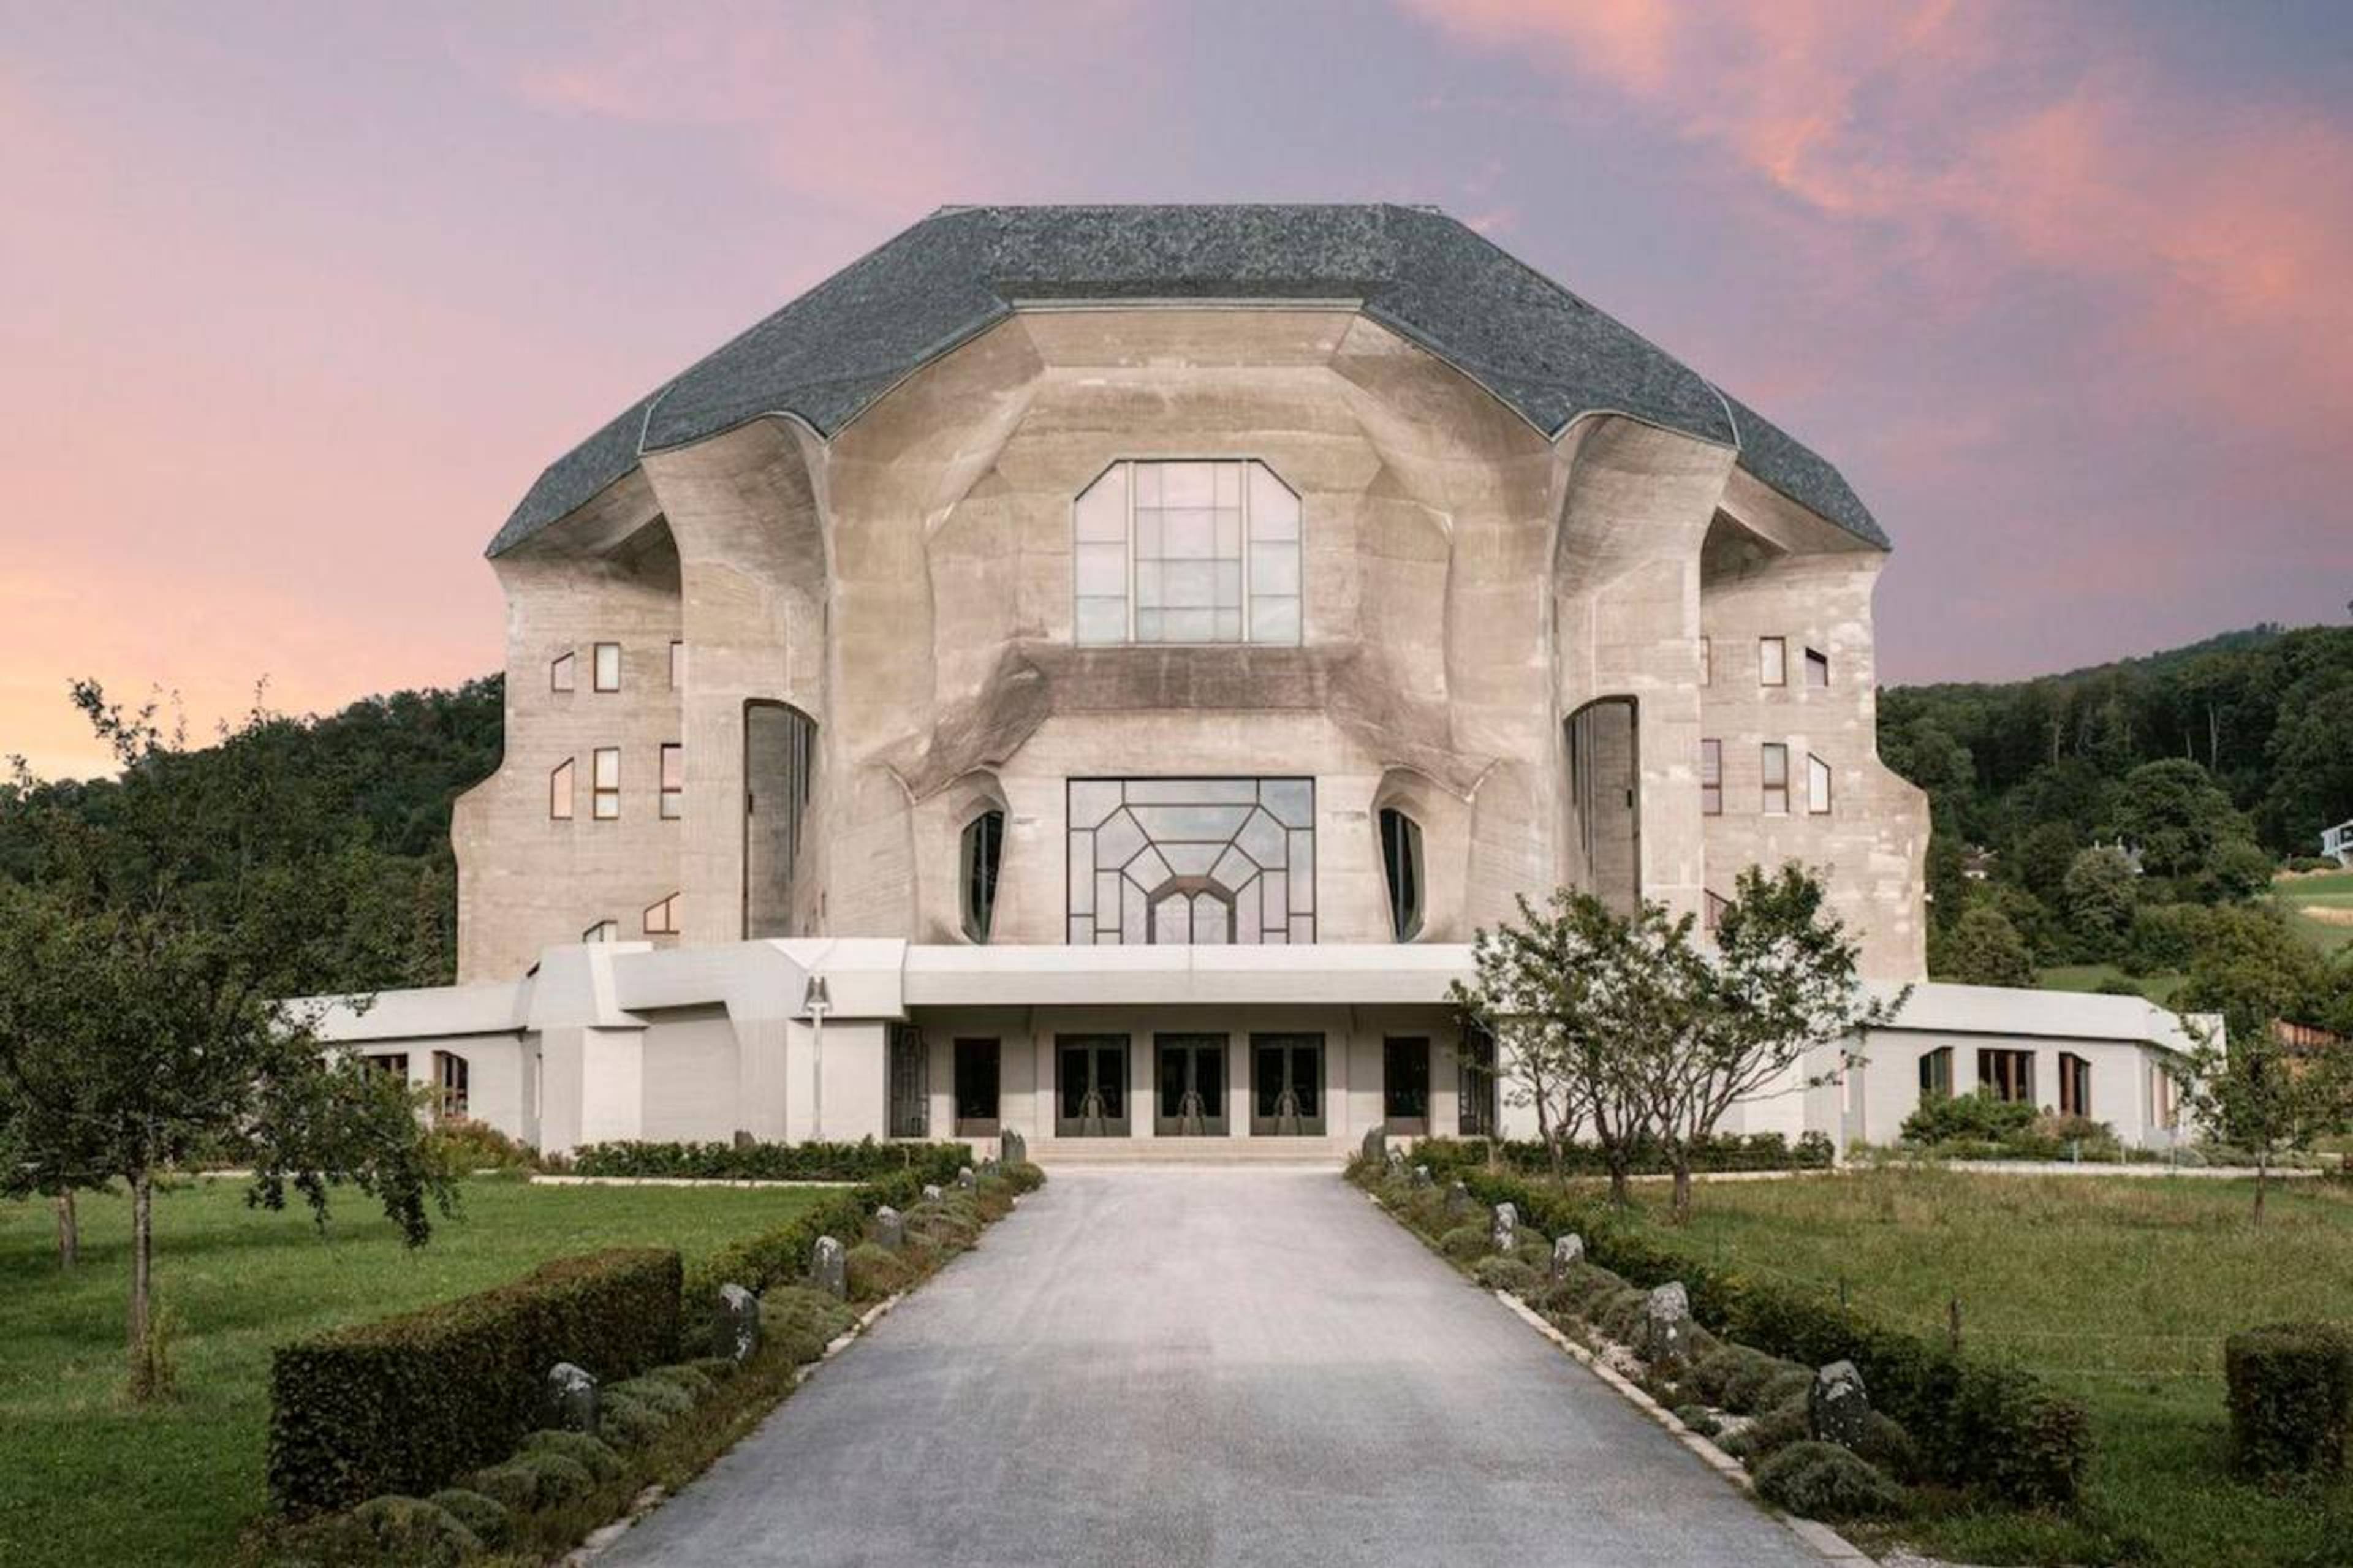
<point x="1286" y="1086"/>
<point x="1405" y="1085"/>
<point x="1090" y="1086"/>
<point x="1192" y="1088"/>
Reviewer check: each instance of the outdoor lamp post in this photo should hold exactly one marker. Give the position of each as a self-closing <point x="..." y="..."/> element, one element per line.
<point x="816" y="1001"/>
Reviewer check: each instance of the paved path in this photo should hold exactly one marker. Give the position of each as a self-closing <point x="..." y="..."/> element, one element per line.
<point x="1165" y="1366"/>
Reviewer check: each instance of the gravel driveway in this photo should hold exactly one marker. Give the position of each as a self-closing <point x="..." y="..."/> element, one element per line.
<point x="1160" y="1366"/>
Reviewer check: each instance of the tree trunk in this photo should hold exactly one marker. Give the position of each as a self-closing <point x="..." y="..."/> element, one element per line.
<point x="142" y="1379"/>
<point x="1682" y="1209"/>
<point x="68" y="1231"/>
<point x="2263" y="1173"/>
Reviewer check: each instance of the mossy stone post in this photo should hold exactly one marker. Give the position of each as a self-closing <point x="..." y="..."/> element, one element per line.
<point x="1568" y="1252"/>
<point x="1375" y="1145"/>
<point x="968" y="1179"/>
<point x="736" y="1323"/>
<point x="931" y="1193"/>
<point x="830" y="1268"/>
<point x="1420" y="1176"/>
<point x="1666" y="1330"/>
<point x="2291" y="1397"/>
<point x="572" y="1398"/>
<point x="890" y="1228"/>
<point x="1503" y="1234"/>
<point x="1012" y="1149"/>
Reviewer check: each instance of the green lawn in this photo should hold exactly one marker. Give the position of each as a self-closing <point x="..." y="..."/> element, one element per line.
<point x="2321" y="907"/>
<point x="2119" y="1291"/>
<point x="83" y="1480"/>
<point x="2159" y="988"/>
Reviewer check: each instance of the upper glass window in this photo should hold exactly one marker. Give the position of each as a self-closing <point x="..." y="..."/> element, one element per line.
<point x="1196" y="551"/>
<point x="608" y="666"/>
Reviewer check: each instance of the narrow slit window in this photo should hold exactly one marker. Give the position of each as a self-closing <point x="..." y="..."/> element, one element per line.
<point x="1711" y="778"/>
<point x="2010" y="1075"/>
<point x="1185" y="552"/>
<point x="608" y="666"/>
<point x="983" y="852"/>
<point x="1713" y="915"/>
<point x="677" y="666"/>
<point x="606" y="783"/>
<point x="1772" y="662"/>
<point x="1818" y="785"/>
<point x="1777" y="779"/>
<point x="661" y="919"/>
<point x="674" y="782"/>
<point x="563" y="673"/>
<point x="559" y="791"/>
<point x="2074" y="1085"/>
<point x="1817" y="669"/>
<point x="1401" y="863"/>
<point x="1937" y="1073"/>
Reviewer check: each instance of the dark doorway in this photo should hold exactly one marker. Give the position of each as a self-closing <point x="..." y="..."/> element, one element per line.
<point x="976" y="1089"/>
<point x="1090" y="1086"/>
<point x="1605" y="798"/>
<point x="910" y="1087"/>
<point x="1474" y="1084"/>
<point x="1192" y="1100"/>
<point x="1405" y="1085"/>
<point x="1286" y="1086"/>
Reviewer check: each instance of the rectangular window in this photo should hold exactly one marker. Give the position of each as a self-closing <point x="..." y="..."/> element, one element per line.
<point x="1477" y="1102"/>
<point x="561" y="674"/>
<point x="608" y="666"/>
<point x="661" y="919"/>
<point x="1777" y="779"/>
<point x="674" y="782"/>
<point x="1712" y="912"/>
<point x="1204" y="552"/>
<point x="1772" y="662"/>
<point x="1937" y="1073"/>
<point x="2074" y="1085"/>
<point x="976" y="1075"/>
<point x="1711" y="778"/>
<point x="391" y="1065"/>
<point x="1817" y="669"/>
<point x="603" y="931"/>
<point x="677" y="666"/>
<point x="1818" y="785"/>
<point x="2010" y="1075"/>
<point x="907" y="1064"/>
<point x="1706" y="662"/>
<point x="2165" y="1097"/>
<point x="606" y="783"/>
<point x="559" y="791"/>
<point x="449" y="1076"/>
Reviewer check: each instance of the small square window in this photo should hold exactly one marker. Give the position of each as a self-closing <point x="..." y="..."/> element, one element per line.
<point x="559" y="791"/>
<point x="1818" y="785"/>
<point x="1817" y="669"/>
<point x="608" y="666"/>
<point x="677" y="666"/>
<point x="1772" y="662"/>
<point x="606" y="783"/>
<point x="1713" y="915"/>
<point x="603" y="931"/>
<point x="661" y="919"/>
<point x="1711" y="778"/>
<point x="1706" y="661"/>
<point x="674" y="782"/>
<point x="1777" y="779"/>
<point x="562" y="674"/>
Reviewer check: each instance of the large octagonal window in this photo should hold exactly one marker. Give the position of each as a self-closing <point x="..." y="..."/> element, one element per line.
<point x="1192" y="861"/>
<point x="1192" y="552"/>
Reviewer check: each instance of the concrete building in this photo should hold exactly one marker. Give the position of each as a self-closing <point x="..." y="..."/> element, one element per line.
<point x="1092" y="670"/>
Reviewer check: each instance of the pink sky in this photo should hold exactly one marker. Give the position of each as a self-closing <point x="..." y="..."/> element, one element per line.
<point x="297" y="304"/>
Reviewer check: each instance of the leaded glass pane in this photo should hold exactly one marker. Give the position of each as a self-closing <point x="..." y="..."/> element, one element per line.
<point x="1092" y="800"/>
<point x="1292" y="801"/>
<point x="1101" y="621"/>
<point x="1177" y="859"/>
<point x="1275" y="620"/>
<point x="1273" y="509"/>
<point x="1102" y="513"/>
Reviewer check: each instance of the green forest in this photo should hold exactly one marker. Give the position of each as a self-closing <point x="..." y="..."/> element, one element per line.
<point x="2114" y="816"/>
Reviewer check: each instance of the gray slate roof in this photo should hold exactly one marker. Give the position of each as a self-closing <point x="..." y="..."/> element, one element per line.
<point x="831" y="353"/>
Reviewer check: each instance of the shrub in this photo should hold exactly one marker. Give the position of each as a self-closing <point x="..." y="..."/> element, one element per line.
<point x="632" y="1423"/>
<point x="468" y="1145"/>
<point x="1822" y="1481"/>
<point x="691" y="1381"/>
<point x="1780" y="1425"/>
<point x="1699" y="1418"/>
<point x="1962" y="1118"/>
<point x="597" y="1459"/>
<point x="1449" y="1157"/>
<point x="412" y="1530"/>
<point x="802" y="1321"/>
<point x="1464" y="1243"/>
<point x="405" y="1403"/>
<point x="1505" y="1274"/>
<point x="483" y="1516"/>
<point x="1886" y="1445"/>
<point x="513" y="1485"/>
<point x="1787" y="1382"/>
<point x="728" y="1161"/>
<point x="558" y="1478"/>
<point x="2291" y="1391"/>
<point x="1023" y="1176"/>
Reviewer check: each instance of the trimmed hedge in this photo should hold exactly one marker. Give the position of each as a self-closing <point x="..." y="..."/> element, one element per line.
<point x="407" y="1404"/>
<point x="722" y="1162"/>
<point x="2291" y="1396"/>
<point x="1977" y="1424"/>
<point x="1448" y="1157"/>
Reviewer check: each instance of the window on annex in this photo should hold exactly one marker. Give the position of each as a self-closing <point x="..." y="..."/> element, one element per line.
<point x="1937" y="1073"/>
<point x="1711" y="778"/>
<point x="1192" y="860"/>
<point x="562" y="672"/>
<point x="1713" y="906"/>
<point x="1817" y="669"/>
<point x="606" y="782"/>
<point x="449" y="1082"/>
<point x="2164" y="1097"/>
<point x="1818" y="785"/>
<point x="661" y="919"/>
<point x="603" y="931"/>
<point x="1772" y="662"/>
<point x="608" y="666"/>
<point x="977" y="1071"/>
<point x="908" y="1067"/>
<point x="983" y="850"/>
<point x="1477" y="1102"/>
<point x="2010" y="1075"/>
<point x="1777" y="779"/>
<point x="2074" y="1085"/>
<point x="559" y="791"/>
<point x="1401" y="864"/>
<point x="1196" y="551"/>
<point x="673" y="781"/>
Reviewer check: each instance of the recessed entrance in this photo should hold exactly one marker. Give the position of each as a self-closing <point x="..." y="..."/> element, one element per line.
<point x="1192" y="1083"/>
<point x="976" y="1089"/>
<point x="1090" y="1086"/>
<point x="1405" y="1085"/>
<point x="1286" y="1086"/>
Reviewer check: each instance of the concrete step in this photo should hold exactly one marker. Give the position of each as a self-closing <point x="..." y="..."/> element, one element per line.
<point x="1330" y="1152"/>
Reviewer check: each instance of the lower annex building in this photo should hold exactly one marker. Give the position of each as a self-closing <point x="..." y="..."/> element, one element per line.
<point x="1090" y="671"/>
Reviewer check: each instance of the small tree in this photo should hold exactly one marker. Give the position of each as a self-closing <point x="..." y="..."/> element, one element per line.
<point x="1559" y="989"/>
<point x="1985" y="948"/>
<point x="1784" y="980"/>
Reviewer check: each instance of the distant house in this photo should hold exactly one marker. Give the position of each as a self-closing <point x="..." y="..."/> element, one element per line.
<point x="2131" y="852"/>
<point x="1978" y="862"/>
<point x="2337" y="843"/>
